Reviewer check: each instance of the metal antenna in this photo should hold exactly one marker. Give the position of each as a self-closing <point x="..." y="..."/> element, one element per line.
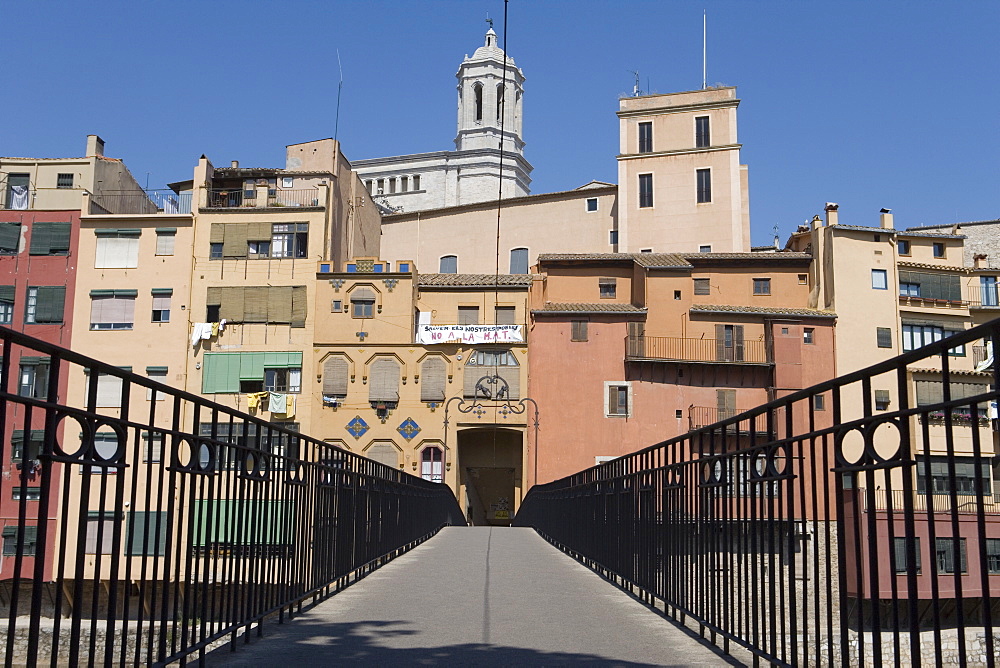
<point x="340" y="88"/>
<point x="635" y="88"/>
<point x="704" y="49"/>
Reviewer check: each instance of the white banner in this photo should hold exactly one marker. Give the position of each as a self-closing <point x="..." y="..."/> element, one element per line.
<point x="430" y="334"/>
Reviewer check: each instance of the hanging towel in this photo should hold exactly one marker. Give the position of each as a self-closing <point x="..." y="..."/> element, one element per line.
<point x="18" y="197"/>
<point x="289" y="408"/>
<point x="215" y="329"/>
<point x="222" y="325"/>
<point x="253" y="401"/>
<point x="206" y="330"/>
<point x="278" y="403"/>
<point x="197" y="334"/>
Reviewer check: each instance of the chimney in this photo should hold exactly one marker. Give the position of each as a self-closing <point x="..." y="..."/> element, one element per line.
<point x="816" y="222"/>
<point x="831" y="213"/>
<point x="95" y="146"/>
<point x="235" y="164"/>
<point x="885" y="219"/>
<point x="979" y="261"/>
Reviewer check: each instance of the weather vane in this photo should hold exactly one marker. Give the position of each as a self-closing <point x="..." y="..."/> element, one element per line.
<point x="489" y="20"/>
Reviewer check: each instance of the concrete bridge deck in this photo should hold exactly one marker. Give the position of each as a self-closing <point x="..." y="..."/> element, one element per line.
<point x="476" y="596"/>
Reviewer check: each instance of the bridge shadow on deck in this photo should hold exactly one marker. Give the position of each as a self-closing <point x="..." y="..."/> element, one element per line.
<point x="476" y="596"/>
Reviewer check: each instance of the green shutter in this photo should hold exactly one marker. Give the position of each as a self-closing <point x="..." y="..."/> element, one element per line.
<point x="41" y="238"/>
<point x="243" y="522"/>
<point x="59" y="240"/>
<point x="7" y="293"/>
<point x="50" y="304"/>
<point x="283" y="360"/>
<point x="221" y="373"/>
<point x="149" y="527"/>
<point x="10" y="236"/>
<point x="166" y="230"/>
<point x="252" y="366"/>
<point x="162" y="292"/>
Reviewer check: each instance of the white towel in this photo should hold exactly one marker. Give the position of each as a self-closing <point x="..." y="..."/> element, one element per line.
<point x="277" y="403"/>
<point x="202" y="330"/>
<point x="18" y="197"/>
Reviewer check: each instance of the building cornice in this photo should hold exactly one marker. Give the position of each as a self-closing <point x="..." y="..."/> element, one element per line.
<point x="663" y="111"/>
<point x="492" y="204"/>
<point x="683" y="151"/>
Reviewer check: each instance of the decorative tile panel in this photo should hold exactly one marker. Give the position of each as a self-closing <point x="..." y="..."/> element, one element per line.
<point x="357" y="427"/>
<point x="408" y="429"/>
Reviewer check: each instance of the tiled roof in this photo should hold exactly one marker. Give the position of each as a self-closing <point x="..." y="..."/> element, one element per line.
<point x="953" y="225"/>
<point x="605" y="307"/>
<point x="940" y="267"/>
<point x="748" y="256"/>
<point x="934" y="235"/>
<point x="475" y="280"/>
<point x="652" y="260"/>
<point x="863" y="228"/>
<point x="763" y="310"/>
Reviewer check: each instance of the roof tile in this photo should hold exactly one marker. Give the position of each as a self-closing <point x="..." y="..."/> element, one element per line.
<point x="605" y="307"/>
<point x="762" y="310"/>
<point x="475" y="280"/>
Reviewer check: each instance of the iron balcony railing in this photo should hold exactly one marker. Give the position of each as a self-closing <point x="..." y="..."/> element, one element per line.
<point x="928" y="302"/>
<point x="702" y="416"/>
<point x="140" y="202"/>
<point x="796" y="531"/>
<point x="670" y="348"/>
<point x="146" y="525"/>
<point x="230" y="198"/>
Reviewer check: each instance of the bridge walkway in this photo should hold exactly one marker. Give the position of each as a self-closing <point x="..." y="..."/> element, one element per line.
<point x="476" y="596"/>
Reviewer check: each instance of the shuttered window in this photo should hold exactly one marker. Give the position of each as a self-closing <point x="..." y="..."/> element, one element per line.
<point x="45" y="304"/>
<point x="33" y="442"/>
<point x="505" y="315"/>
<point x="931" y="286"/>
<point x="27" y="545"/>
<point x="10" y="238"/>
<point x="165" y="238"/>
<point x="146" y="534"/>
<point x="480" y="368"/>
<point x="362" y="303"/>
<point x="882" y="400"/>
<point x="519" y="261"/>
<point x="883" y="337"/>
<point x="900" y="545"/>
<point x="100" y="533"/>
<point x="49" y="239"/>
<point x="932" y="391"/>
<point x="117" y="249"/>
<point x="336" y="370"/>
<point x="161" y="304"/>
<point x="448" y="264"/>
<point x="383" y="381"/>
<point x="433" y="377"/>
<point x="112" y="309"/>
<point x="608" y="287"/>
<point x="271" y="304"/>
<point x="702" y="286"/>
<point x="6" y="304"/>
<point x="729" y="343"/>
<point x="109" y="391"/>
<point x="223" y="372"/>
<point x="384" y="453"/>
<point x="468" y="315"/>
<point x="579" y="330"/>
<point x="617" y="400"/>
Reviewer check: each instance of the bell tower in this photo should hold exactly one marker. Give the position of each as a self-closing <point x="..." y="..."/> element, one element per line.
<point x="483" y="96"/>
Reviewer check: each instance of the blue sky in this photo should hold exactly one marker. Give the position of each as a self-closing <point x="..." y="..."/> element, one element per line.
<point x="866" y="104"/>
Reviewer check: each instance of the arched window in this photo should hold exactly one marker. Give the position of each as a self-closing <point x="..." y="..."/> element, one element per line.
<point x="519" y="261"/>
<point x="432" y="464"/>
<point x="362" y="303"/>
<point x="449" y="264"/>
<point x="384" y="453"/>
<point x="335" y="373"/>
<point x="477" y="89"/>
<point x="383" y="383"/>
<point x="433" y="376"/>
<point x="499" y="102"/>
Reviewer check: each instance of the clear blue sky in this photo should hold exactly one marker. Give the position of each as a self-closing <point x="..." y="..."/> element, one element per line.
<point x="868" y="104"/>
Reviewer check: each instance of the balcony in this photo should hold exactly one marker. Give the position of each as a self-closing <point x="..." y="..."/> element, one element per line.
<point x="709" y="351"/>
<point x="964" y="503"/>
<point x="703" y="416"/>
<point x="987" y="298"/>
<point x="929" y="302"/>
<point x="140" y="203"/>
<point x="238" y="198"/>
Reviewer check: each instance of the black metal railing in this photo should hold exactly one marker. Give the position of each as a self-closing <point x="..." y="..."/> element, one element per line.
<point x="802" y="530"/>
<point x="143" y="524"/>
<point x="229" y="198"/>
<point x="138" y="202"/>
<point x="695" y="350"/>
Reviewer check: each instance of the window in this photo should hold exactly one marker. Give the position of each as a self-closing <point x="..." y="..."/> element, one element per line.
<point x="900" y="545"/>
<point x="819" y="402"/>
<point x="161" y="304"/>
<point x="34" y="377"/>
<point x="505" y="315"/>
<point x="18" y="191"/>
<point x="725" y="404"/>
<point x="153" y="450"/>
<point x="677" y="294"/>
<point x="933" y="476"/>
<point x="879" y="279"/>
<point x="762" y="286"/>
<point x="645" y="137"/>
<point x="109" y="391"/>
<point x="704" y="185"/>
<point x="64" y="181"/>
<point x="289" y="240"/>
<point x="944" y="554"/>
<point x="44" y="305"/>
<point x="988" y="291"/>
<point x="362" y="303"/>
<point x="807" y="335"/>
<point x="258" y="249"/>
<point x="704" y="249"/>
<point x="903" y="247"/>
<point x="383" y="453"/>
<point x="468" y="315"/>
<point x="287" y="181"/>
<point x="917" y="335"/>
<point x="432" y="464"/>
<point x="100" y="536"/>
<point x="613" y="237"/>
<point x="481" y="370"/>
<point x="803" y="279"/>
<point x="729" y="343"/>
<point x="283" y="380"/>
<point x="159" y="374"/>
<point x="477" y="92"/>
<point x="519" y="261"/>
<point x="433" y="379"/>
<point x="448" y="264"/>
<point x="579" y="330"/>
<point x="112" y="309"/>
<point x="416" y="182"/>
<point x="26" y="445"/>
<point x="608" y="287"/>
<point x="165" y="237"/>
<point x="645" y="191"/>
<point x="49" y="239"/>
<point x="499" y="99"/>
<point x="646" y="250"/>
<point x="883" y="337"/>
<point x="930" y="286"/>
<point x="117" y="249"/>
<point x="31" y="493"/>
<point x="250" y="304"/>
<point x="10" y="238"/>
<point x="617" y="397"/>
<point x="938" y="249"/>
<point x="226" y="373"/>
<point x="993" y="556"/>
<point x="146" y="534"/>
<point x="404" y="183"/>
<point x="336" y="305"/>
<point x="27" y="544"/>
<point x="383" y="383"/>
<point x="336" y="370"/>
<point x="215" y="251"/>
<point x="591" y="204"/>
<point x="702" y="286"/>
<point x="702" y="137"/>
<point x="882" y="400"/>
<point x="878" y="237"/>
<point x="909" y="289"/>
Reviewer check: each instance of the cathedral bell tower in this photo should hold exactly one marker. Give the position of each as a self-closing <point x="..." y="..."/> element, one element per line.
<point x="483" y="96"/>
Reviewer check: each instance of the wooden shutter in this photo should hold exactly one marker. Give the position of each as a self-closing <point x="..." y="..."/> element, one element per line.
<point x="235" y="242"/>
<point x="470" y="376"/>
<point x="468" y="315"/>
<point x="512" y="375"/>
<point x="720" y="342"/>
<point x="7" y="293"/>
<point x="384" y="453"/>
<point x="738" y="342"/>
<point x="258" y="232"/>
<point x="929" y="392"/>
<point x="613" y="407"/>
<point x="255" y="306"/>
<point x="383" y="380"/>
<point x="579" y="332"/>
<point x="433" y="376"/>
<point x="279" y="303"/>
<point x="10" y="237"/>
<point x="505" y="315"/>
<point x="335" y="373"/>
<point x="726" y="403"/>
<point x="230" y="302"/>
<point x="218" y="233"/>
<point x="50" y="303"/>
<point x="41" y="238"/>
<point x="299" y="299"/>
<point x="59" y="234"/>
